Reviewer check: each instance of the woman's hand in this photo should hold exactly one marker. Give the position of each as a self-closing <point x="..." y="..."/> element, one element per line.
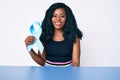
<point x="29" y="40"/>
<point x="37" y="57"/>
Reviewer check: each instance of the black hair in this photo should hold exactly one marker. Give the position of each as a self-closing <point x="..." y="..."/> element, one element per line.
<point x="70" y="30"/>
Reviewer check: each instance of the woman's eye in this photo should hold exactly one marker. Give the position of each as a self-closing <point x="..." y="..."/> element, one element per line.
<point x="62" y="16"/>
<point x="54" y="16"/>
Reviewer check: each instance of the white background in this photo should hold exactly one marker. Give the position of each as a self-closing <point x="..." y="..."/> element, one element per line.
<point x="98" y="19"/>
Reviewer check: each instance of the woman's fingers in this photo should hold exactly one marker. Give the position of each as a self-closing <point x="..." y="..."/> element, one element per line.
<point x="29" y="40"/>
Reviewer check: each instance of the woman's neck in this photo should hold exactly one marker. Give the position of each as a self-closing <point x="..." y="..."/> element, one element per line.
<point x="58" y="35"/>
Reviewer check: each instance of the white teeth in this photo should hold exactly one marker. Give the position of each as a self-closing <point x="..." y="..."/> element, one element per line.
<point x="57" y="23"/>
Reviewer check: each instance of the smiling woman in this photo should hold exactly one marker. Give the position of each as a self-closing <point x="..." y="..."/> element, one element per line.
<point x="60" y="38"/>
<point x="59" y="18"/>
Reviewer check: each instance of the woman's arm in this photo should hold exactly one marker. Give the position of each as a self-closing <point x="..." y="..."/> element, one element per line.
<point x="37" y="57"/>
<point x="76" y="53"/>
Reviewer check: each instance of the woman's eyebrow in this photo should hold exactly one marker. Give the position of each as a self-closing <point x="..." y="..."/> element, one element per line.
<point x="60" y="13"/>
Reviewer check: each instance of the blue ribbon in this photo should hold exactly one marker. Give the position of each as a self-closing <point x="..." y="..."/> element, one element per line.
<point x="35" y="30"/>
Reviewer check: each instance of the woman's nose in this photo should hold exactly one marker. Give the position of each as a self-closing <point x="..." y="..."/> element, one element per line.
<point x="58" y="19"/>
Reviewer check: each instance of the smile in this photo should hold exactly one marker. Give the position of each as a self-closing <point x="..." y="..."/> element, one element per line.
<point x="58" y="23"/>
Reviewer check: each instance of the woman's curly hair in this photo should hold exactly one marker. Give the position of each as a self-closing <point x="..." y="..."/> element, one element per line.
<point x="70" y="30"/>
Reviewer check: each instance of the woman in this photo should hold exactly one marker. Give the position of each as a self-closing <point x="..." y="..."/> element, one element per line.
<point x="60" y="38"/>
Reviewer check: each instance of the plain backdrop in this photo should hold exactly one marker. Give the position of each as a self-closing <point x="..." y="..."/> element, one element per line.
<point x="98" y="19"/>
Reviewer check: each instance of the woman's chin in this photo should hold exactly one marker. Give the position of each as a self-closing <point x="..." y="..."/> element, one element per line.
<point x="58" y="27"/>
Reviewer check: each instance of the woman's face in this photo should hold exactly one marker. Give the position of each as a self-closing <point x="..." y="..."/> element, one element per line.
<point x="59" y="18"/>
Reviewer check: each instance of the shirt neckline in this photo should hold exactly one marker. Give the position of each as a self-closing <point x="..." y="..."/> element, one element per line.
<point x="58" y="40"/>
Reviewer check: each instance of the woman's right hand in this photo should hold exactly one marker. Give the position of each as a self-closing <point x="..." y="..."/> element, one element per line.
<point x="29" y="40"/>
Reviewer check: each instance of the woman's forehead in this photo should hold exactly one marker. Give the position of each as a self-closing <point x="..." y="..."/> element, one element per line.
<point x="59" y="10"/>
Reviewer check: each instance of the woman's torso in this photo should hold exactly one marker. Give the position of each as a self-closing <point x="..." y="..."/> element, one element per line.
<point x="58" y="52"/>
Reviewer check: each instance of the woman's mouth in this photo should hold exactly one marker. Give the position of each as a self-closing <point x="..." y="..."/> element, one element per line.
<point x="58" y="23"/>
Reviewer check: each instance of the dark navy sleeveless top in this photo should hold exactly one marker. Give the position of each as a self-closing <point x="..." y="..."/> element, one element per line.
<point x="59" y="51"/>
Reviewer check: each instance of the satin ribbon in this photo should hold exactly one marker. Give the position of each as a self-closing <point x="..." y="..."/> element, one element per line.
<point x="35" y="30"/>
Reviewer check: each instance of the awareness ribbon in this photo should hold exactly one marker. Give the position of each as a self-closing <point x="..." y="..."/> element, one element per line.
<point x="35" y="30"/>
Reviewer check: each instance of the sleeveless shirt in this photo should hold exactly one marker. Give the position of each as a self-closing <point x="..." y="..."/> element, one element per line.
<point x="58" y="52"/>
